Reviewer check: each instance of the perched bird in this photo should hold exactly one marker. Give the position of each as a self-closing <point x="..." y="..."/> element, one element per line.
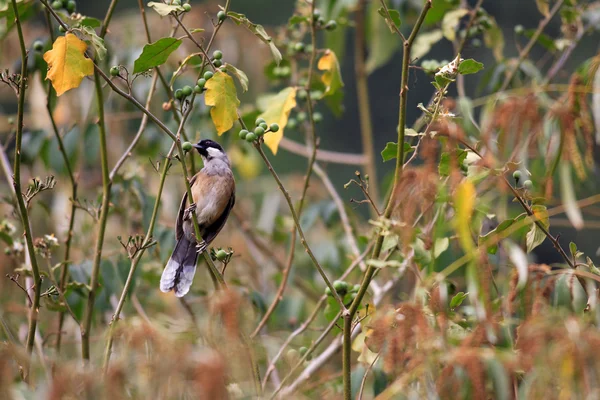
<point x="213" y="192"/>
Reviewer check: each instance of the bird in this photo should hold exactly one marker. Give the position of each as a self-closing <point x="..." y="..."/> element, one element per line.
<point x="213" y="193"/>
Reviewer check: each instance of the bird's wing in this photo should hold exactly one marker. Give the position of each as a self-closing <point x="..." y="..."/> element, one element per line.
<point x="182" y="207"/>
<point x="213" y="230"/>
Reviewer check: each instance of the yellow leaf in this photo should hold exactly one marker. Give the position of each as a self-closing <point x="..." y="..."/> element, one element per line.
<point x="222" y="96"/>
<point x="332" y="77"/>
<point x="278" y="111"/>
<point x="464" y="204"/>
<point x="67" y="65"/>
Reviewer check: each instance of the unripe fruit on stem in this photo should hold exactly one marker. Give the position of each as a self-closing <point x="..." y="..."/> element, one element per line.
<point x="217" y="54"/>
<point x="264" y="125"/>
<point x="61" y="29"/>
<point x="197" y="89"/>
<point x="251" y="137"/>
<point x="57" y="5"/>
<point x="217" y="63"/>
<point x="331" y="25"/>
<point x="301" y="116"/>
<point x="221" y="255"/>
<point x="176" y="2"/>
<point x="38" y="45"/>
<point x="243" y="133"/>
<point x="302" y="350"/>
<point x="259" y="121"/>
<point x="316" y="14"/>
<point x="221" y="16"/>
<point x="259" y="131"/>
<point x="274" y="127"/>
<point x="355" y="288"/>
<point x="186" y="146"/>
<point x="317" y="117"/>
<point x="208" y="75"/>
<point x="528" y="184"/>
<point x="186" y="90"/>
<point x="201" y="82"/>
<point x="292" y="123"/>
<point x="321" y="21"/>
<point x="71" y="6"/>
<point x="328" y="291"/>
<point x="517" y="175"/>
<point x="114" y="70"/>
<point x="299" y="47"/>
<point x="340" y="286"/>
<point x="179" y="94"/>
<point x="187" y="7"/>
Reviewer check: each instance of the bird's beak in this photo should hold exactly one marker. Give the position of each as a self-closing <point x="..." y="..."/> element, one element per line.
<point x="197" y="146"/>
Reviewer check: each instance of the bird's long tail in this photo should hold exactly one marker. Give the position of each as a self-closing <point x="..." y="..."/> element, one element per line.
<point x="179" y="271"/>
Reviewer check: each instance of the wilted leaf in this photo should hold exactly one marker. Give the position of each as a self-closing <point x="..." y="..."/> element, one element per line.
<point x="155" y="54"/>
<point x="450" y="22"/>
<point x="393" y="20"/>
<point x="519" y="259"/>
<point x="164" y="9"/>
<point x="97" y="43"/>
<point x="239" y="74"/>
<point x="424" y="42"/>
<point x="567" y="194"/>
<point x="222" y="96"/>
<point x="543" y="6"/>
<point x="469" y="66"/>
<point x="332" y="77"/>
<point x="464" y="204"/>
<point x="278" y="110"/>
<point x="259" y="32"/>
<point x="536" y="236"/>
<point x="67" y="65"/>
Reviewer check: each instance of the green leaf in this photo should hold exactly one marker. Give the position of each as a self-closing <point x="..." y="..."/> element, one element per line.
<point x="258" y="31"/>
<point x="90" y="22"/>
<point x="440" y="246"/>
<point x="469" y="66"/>
<point x="92" y="39"/>
<point x="536" y="236"/>
<point x="458" y="299"/>
<point x="391" y="150"/>
<point x="424" y="42"/>
<point x="494" y="39"/>
<point x="451" y="21"/>
<point x="502" y="226"/>
<point x="239" y="74"/>
<point x="381" y="43"/>
<point x="164" y="9"/>
<point x="393" y="20"/>
<point x="7" y="15"/>
<point x="155" y="54"/>
<point x="569" y="293"/>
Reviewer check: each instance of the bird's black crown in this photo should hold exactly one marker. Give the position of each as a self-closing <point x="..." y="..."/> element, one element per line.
<point x="205" y="144"/>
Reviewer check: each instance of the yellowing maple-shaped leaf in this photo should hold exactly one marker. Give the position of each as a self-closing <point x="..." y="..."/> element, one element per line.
<point x="222" y="96"/>
<point x="67" y="65"/>
<point x="332" y="77"/>
<point x="277" y="111"/>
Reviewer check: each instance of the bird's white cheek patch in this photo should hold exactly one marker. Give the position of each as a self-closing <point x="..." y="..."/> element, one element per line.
<point x="212" y="152"/>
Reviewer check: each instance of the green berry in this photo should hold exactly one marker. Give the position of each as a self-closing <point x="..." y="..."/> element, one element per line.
<point x="317" y="117"/>
<point x="331" y="25"/>
<point x="299" y="47"/>
<point x="519" y="29"/>
<point x="197" y="89"/>
<point x="301" y="116"/>
<point x="292" y="123"/>
<point x="328" y="291"/>
<point x="221" y="255"/>
<point x="316" y="14"/>
<point x="355" y="288"/>
<point x="201" y="82"/>
<point x="316" y="94"/>
<point x="61" y="29"/>
<point x="243" y="133"/>
<point x="302" y="350"/>
<point x="264" y="125"/>
<point x="274" y="127"/>
<point x="340" y="286"/>
<point x="221" y="16"/>
<point x="217" y="63"/>
<point x="38" y="45"/>
<point x="187" y="90"/>
<point x="321" y="21"/>
<point x="114" y="70"/>
<point x="179" y="94"/>
<point x="71" y="6"/>
<point x="187" y="7"/>
<point x="259" y="121"/>
<point x="302" y="95"/>
<point x="517" y="175"/>
<point x="57" y="5"/>
<point x="176" y="2"/>
<point x="186" y="146"/>
<point x="251" y="137"/>
<point x="528" y="184"/>
<point x="217" y="54"/>
<point x="208" y="75"/>
<point x="259" y="131"/>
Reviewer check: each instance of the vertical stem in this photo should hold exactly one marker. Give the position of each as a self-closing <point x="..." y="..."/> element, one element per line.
<point x="106" y="186"/>
<point x="364" y="109"/>
<point x="34" y="310"/>
<point x="407" y="45"/>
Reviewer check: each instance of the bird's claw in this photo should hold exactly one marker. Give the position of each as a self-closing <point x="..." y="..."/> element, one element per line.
<point x="201" y="247"/>
<point x="189" y="210"/>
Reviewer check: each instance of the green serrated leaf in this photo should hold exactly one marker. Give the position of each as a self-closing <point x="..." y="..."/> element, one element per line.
<point x="469" y="66"/>
<point x="239" y="74"/>
<point x="259" y="31"/>
<point x="393" y="20"/>
<point x="155" y="54"/>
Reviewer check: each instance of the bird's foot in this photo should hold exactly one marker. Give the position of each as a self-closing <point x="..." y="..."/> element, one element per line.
<point x="200" y="247"/>
<point x="188" y="211"/>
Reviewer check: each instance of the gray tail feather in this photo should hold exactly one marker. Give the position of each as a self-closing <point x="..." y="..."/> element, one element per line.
<point x="179" y="272"/>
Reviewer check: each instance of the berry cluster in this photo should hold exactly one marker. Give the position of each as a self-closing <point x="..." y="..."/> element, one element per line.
<point x="343" y="288"/>
<point x="527" y="184"/>
<point x="186" y="6"/>
<point x="260" y="129"/>
<point x="69" y="5"/>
